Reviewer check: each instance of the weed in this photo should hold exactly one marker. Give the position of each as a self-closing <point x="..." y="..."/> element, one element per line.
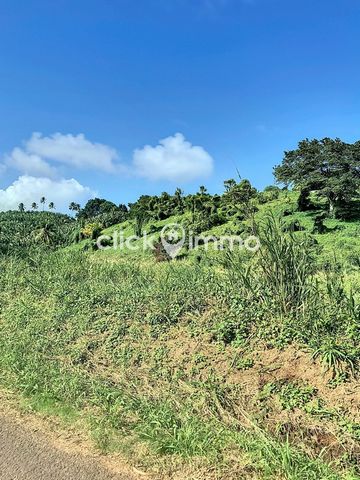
<point x="294" y="396"/>
<point x="244" y="363"/>
<point x="335" y="357"/>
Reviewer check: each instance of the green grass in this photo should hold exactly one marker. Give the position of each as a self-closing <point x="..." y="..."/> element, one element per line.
<point x="136" y="349"/>
<point x="77" y="335"/>
<point x="340" y="243"/>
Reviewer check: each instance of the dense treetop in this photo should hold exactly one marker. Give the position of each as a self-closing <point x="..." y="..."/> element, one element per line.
<point x="330" y="168"/>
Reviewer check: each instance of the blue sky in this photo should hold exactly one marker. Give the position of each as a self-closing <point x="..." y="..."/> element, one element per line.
<point x="241" y="80"/>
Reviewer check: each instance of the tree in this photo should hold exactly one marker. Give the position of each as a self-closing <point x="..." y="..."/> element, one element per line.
<point x="229" y="184"/>
<point x="330" y="168"/>
<point x="42" y="201"/>
<point x="51" y="206"/>
<point x="97" y="206"/>
<point x="190" y="202"/>
<point x="239" y="193"/>
<point x="34" y="206"/>
<point x="123" y="208"/>
<point x="46" y="234"/>
<point x="140" y="212"/>
<point x="304" y="202"/>
<point x="143" y="206"/>
<point x="238" y="200"/>
<point x="179" y="200"/>
<point x="21" y="207"/>
<point x="178" y="194"/>
<point x="271" y="192"/>
<point x="74" y="207"/>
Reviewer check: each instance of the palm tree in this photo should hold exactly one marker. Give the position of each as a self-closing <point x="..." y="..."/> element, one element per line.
<point x="46" y="234"/>
<point x="201" y="197"/>
<point x="51" y="206"/>
<point x="190" y="202"/>
<point x="21" y="207"/>
<point x="43" y="200"/>
<point x="178" y="201"/>
<point x="34" y="206"/>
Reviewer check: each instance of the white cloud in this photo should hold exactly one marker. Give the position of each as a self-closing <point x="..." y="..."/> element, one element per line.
<point x="74" y="150"/>
<point x="29" y="164"/>
<point x="38" y="154"/>
<point x="28" y="189"/>
<point x="174" y="159"/>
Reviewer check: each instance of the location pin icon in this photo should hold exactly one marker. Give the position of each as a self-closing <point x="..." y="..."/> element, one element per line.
<point x="172" y="239"/>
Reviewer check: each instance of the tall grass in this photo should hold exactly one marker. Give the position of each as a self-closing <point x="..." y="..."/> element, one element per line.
<point x="76" y="331"/>
<point x="287" y="264"/>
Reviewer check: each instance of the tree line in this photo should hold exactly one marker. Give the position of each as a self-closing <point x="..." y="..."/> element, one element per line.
<point x="325" y="171"/>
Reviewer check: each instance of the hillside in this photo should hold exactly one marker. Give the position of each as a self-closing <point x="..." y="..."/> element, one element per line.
<point x="180" y="240"/>
<point x="217" y="364"/>
<point x="22" y="231"/>
<point x="340" y="240"/>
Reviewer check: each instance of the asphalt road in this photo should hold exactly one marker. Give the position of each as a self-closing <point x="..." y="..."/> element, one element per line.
<point x="27" y="455"/>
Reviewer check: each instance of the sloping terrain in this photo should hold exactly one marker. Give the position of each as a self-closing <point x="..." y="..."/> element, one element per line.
<point x="203" y="367"/>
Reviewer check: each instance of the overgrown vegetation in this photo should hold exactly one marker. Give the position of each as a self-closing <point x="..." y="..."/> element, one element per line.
<point x="82" y="331"/>
<point x="23" y="232"/>
<point x="220" y="364"/>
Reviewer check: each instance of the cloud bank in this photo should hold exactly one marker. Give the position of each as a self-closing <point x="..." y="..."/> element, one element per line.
<point x="39" y="153"/>
<point x="43" y="164"/>
<point x="29" y="164"/>
<point x="174" y="159"/>
<point x="74" y="150"/>
<point x="28" y="189"/>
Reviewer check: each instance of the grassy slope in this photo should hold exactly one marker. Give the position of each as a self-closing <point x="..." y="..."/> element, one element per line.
<point x="139" y="352"/>
<point x="342" y="238"/>
<point x="340" y="243"/>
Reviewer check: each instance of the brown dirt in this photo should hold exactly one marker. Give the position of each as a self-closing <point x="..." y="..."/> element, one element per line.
<point x="199" y="356"/>
<point x="270" y="365"/>
<point x="296" y="366"/>
<point x="291" y="365"/>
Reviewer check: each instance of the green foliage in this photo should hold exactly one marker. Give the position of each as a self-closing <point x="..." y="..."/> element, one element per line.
<point x="329" y="167"/>
<point x="92" y="334"/>
<point x="269" y="194"/>
<point x="22" y="232"/>
<point x="204" y="210"/>
<point x="244" y="363"/>
<point x="290" y="395"/>
<point x="287" y="262"/>
<point x="98" y="210"/>
<point x="295" y="396"/>
<point x="335" y="357"/>
<point x="66" y="315"/>
<point x="91" y="231"/>
<point x="285" y="268"/>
